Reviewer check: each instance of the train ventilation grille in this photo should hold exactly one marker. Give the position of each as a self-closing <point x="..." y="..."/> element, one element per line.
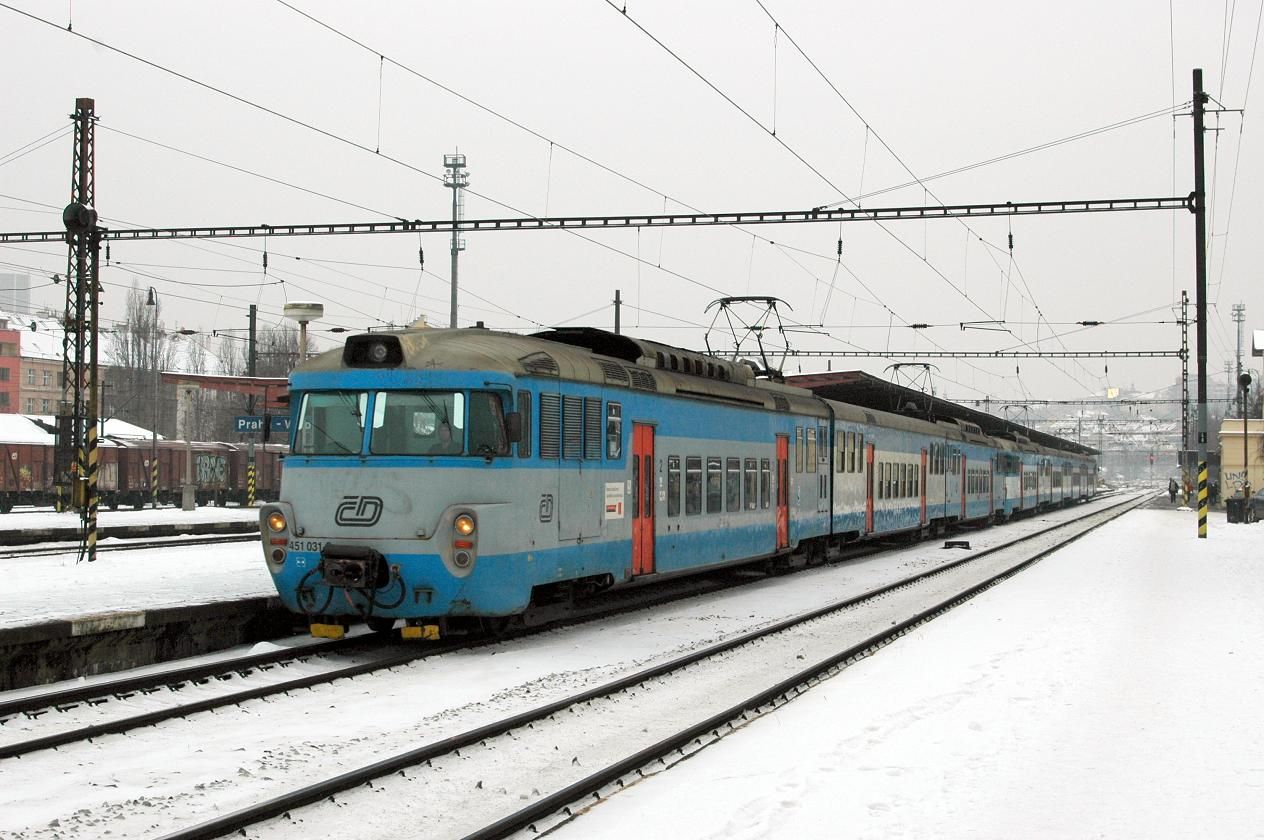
<point x="615" y="374"/>
<point x="781" y="403"/>
<point x="541" y="364"/>
<point x="643" y="379"/>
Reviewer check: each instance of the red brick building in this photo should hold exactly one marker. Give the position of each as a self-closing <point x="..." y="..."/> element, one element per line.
<point x="10" y="367"/>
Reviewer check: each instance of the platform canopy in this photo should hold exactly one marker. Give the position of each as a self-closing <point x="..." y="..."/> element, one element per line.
<point x="856" y="387"/>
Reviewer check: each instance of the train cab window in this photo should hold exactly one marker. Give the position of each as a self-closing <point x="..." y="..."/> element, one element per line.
<point x="524" y="412"/>
<point x="673" y="485"/>
<point x="331" y="423"/>
<point x="810" y="456"/>
<point x="693" y="485"/>
<point x="487" y="424"/>
<point x="765" y="481"/>
<point x="614" y="435"/>
<point x="433" y="423"/>
<point x="750" y="483"/>
<point x="732" y="484"/>
<point x="715" y="485"/>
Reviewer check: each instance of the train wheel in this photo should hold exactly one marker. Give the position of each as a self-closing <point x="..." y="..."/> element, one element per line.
<point x="380" y="624"/>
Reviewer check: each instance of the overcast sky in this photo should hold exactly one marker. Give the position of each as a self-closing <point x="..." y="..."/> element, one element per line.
<point x="930" y="86"/>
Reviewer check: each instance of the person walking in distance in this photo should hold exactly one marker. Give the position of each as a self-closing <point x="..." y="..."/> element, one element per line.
<point x="1172" y="487"/>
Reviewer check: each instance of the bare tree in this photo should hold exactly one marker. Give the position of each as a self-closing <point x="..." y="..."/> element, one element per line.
<point x="137" y="350"/>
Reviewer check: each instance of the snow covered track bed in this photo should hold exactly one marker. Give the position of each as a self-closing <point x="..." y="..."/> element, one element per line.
<point x="540" y="722"/>
<point x="121" y="544"/>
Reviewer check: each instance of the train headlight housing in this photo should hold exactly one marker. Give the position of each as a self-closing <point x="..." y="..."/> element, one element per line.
<point x="464" y="525"/>
<point x="276" y="522"/>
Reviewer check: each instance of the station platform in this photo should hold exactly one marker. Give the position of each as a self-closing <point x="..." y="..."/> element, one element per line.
<point x="63" y="619"/>
<point x="1111" y="690"/>
<point x="33" y="525"/>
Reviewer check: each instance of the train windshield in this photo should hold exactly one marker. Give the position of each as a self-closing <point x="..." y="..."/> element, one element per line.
<point x="438" y="423"/>
<point x="331" y="423"/>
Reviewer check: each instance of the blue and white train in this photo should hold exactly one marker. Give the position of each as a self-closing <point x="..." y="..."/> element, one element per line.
<point x="455" y="479"/>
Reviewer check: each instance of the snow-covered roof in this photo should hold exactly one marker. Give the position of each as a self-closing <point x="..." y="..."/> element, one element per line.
<point x="23" y="428"/>
<point x="43" y="342"/>
<point x="18" y="428"/>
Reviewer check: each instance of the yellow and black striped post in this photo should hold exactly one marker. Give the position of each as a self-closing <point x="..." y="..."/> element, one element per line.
<point x="153" y="482"/>
<point x="1202" y="499"/>
<point x="250" y="485"/>
<point x="90" y="503"/>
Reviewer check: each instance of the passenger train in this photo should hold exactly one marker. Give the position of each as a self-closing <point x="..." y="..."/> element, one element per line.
<point x="458" y="478"/>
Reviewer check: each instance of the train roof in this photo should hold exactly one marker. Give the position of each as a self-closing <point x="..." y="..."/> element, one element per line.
<point x="581" y="355"/>
<point x="862" y="389"/>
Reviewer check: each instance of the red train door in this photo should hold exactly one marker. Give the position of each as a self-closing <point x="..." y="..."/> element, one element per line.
<point x="643" y="501"/>
<point x="921" y="487"/>
<point x="869" y="488"/>
<point x="783" y="491"/>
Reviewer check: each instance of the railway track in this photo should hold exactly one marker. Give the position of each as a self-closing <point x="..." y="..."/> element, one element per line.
<point x="45" y="720"/>
<point x="512" y="774"/>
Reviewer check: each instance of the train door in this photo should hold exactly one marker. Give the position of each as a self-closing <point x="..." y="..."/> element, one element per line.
<point x="869" y="488"/>
<point x="921" y="488"/>
<point x="783" y="491"/>
<point x="964" y="472"/>
<point x="643" y="499"/>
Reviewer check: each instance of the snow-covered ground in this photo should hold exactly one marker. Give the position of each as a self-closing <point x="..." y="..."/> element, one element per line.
<point x="31" y="518"/>
<point x="1114" y="690"/>
<point x="56" y="587"/>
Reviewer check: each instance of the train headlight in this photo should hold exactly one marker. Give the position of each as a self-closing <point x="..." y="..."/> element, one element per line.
<point x="378" y="351"/>
<point x="464" y="525"/>
<point x="276" y="521"/>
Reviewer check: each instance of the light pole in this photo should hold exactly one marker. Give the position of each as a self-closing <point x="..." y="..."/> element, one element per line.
<point x="152" y="300"/>
<point x="1244" y="382"/>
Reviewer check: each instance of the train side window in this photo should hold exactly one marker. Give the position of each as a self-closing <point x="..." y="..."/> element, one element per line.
<point x="614" y="434"/>
<point x="849" y="451"/>
<point x="715" y="485"/>
<point x="732" y="484"/>
<point x="524" y="411"/>
<point x="882" y="474"/>
<point x="903" y="481"/>
<point x="798" y="449"/>
<point x="673" y="485"/>
<point x="636" y="488"/>
<point x="810" y="448"/>
<point x="860" y="450"/>
<point x="750" y="483"/>
<point x="765" y="480"/>
<point x="693" y="485"/>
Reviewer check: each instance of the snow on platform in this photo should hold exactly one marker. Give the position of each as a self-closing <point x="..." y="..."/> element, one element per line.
<point x="34" y="519"/>
<point x="56" y="587"/>
<point x="1116" y="689"/>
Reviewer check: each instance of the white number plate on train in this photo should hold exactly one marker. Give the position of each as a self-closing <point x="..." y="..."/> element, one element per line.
<point x="307" y="545"/>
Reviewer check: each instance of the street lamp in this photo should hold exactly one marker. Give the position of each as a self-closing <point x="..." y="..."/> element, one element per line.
<point x="1244" y="382"/>
<point x="152" y="300"/>
<point x="155" y="333"/>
